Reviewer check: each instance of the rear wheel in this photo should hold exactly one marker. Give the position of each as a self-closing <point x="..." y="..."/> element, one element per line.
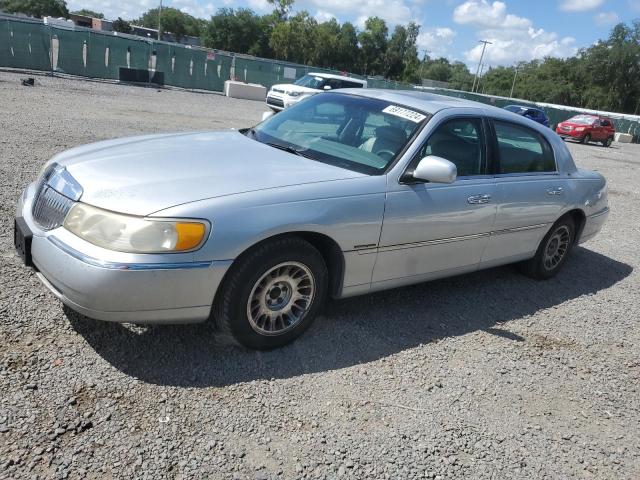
<point x="608" y="142"/>
<point x="586" y="139"/>
<point x="552" y="251"/>
<point x="272" y="294"/>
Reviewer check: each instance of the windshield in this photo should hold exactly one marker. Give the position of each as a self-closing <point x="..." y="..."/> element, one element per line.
<point x="357" y="133"/>
<point x="514" y="108"/>
<point x="311" y="81"/>
<point x="582" y="119"/>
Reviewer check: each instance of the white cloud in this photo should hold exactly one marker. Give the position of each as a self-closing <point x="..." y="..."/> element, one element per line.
<point x="436" y="41"/>
<point x="512" y="38"/>
<point x="484" y="14"/>
<point x="579" y="5"/>
<point x="392" y="11"/>
<point x="323" y="16"/>
<point x="605" y="19"/>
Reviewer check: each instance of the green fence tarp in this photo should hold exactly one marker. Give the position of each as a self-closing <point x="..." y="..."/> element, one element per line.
<point x="5" y="50"/>
<point x="26" y="45"/>
<point x="73" y="49"/>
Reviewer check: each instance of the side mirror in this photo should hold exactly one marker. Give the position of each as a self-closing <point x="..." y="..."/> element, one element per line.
<point x="326" y="87"/>
<point x="266" y="115"/>
<point x="436" y="170"/>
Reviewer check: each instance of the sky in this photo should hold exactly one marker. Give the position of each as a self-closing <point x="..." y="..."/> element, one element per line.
<point x="520" y="30"/>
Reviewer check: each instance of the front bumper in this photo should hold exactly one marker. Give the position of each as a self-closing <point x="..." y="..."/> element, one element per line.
<point x="168" y="288"/>
<point x="572" y="134"/>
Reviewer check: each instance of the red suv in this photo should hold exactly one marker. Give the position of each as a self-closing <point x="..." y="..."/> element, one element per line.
<point x="588" y="128"/>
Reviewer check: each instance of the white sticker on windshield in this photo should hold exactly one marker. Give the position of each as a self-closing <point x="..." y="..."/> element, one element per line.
<point x="404" y="113"/>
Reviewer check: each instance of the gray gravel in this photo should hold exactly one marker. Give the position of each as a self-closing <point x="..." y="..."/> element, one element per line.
<point x="485" y="376"/>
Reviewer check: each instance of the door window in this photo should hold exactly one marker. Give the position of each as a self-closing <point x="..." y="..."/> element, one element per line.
<point x="459" y="141"/>
<point x="522" y="150"/>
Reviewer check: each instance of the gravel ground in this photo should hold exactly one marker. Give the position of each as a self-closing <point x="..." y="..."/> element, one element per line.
<point x="486" y="376"/>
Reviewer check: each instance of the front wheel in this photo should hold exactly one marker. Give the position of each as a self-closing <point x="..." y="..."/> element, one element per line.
<point x="272" y="294"/>
<point x="586" y="139"/>
<point x="552" y="251"/>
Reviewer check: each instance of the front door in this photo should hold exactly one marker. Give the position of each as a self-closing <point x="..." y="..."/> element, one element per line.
<point x="432" y="229"/>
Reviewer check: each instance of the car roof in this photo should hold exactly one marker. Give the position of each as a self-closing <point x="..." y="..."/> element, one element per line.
<point x="338" y="77"/>
<point x="424" y="101"/>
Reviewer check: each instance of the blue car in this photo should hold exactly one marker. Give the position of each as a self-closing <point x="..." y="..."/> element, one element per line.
<point x="534" y="114"/>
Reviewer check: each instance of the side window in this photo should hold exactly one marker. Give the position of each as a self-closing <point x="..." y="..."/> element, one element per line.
<point x="522" y="150"/>
<point x="459" y="141"/>
<point x="346" y="84"/>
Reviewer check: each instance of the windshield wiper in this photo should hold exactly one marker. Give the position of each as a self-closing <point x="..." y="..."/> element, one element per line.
<point x="289" y="149"/>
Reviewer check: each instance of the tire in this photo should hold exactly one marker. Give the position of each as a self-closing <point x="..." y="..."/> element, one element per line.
<point x="256" y="303"/>
<point x="586" y="139"/>
<point x="607" y="143"/>
<point x="545" y="264"/>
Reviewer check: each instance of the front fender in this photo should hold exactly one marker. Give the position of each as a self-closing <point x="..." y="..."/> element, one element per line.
<point x="348" y="211"/>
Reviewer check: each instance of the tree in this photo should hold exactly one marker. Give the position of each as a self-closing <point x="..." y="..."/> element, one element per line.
<point x="121" y="26"/>
<point x="239" y="31"/>
<point x="36" y="8"/>
<point x="325" y="41"/>
<point x="172" y="20"/>
<point x="88" y="13"/>
<point x="282" y="8"/>
<point x="293" y="40"/>
<point x="347" y="51"/>
<point x="373" y="45"/>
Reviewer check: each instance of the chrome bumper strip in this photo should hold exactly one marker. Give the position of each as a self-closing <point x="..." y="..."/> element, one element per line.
<point x="124" y="266"/>
<point x="603" y="212"/>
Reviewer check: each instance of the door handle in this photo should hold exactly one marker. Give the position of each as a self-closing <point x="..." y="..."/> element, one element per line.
<point x="479" y="199"/>
<point x="555" y="191"/>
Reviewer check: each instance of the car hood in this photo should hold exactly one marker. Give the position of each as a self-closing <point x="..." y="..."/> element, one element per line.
<point x="142" y="175"/>
<point x="290" y="87"/>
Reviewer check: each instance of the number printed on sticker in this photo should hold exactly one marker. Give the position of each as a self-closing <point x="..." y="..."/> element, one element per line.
<point x="404" y="113"/>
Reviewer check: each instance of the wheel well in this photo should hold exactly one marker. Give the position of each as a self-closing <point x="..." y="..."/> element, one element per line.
<point x="328" y="248"/>
<point x="579" y="219"/>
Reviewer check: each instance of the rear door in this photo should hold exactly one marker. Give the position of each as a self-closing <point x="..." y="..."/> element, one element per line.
<point x="530" y="192"/>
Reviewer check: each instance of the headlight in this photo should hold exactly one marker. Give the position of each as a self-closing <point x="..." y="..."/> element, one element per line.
<point x="579" y="129"/>
<point x="127" y="233"/>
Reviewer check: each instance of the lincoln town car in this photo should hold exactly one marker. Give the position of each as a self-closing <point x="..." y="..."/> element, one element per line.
<point x="345" y="193"/>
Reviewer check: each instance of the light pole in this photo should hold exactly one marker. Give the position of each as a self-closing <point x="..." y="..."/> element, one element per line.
<point x="159" y="19"/>
<point x="484" y="45"/>
<point x="514" y="82"/>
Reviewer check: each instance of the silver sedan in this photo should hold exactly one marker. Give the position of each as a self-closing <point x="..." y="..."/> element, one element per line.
<point x="343" y="194"/>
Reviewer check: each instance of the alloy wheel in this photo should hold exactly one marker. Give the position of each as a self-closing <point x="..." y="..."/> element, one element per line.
<point x="557" y="247"/>
<point x="281" y="298"/>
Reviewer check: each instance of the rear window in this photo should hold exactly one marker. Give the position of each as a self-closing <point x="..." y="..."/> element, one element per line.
<point x="522" y="150"/>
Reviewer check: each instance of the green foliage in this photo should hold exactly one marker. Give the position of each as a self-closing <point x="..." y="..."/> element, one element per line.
<point x="121" y="26"/>
<point x="173" y="21"/>
<point x="88" y="13"/>
<point x="373" y="46"/>
<point x="36" y="8"/>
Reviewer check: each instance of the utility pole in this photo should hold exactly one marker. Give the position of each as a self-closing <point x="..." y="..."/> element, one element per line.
<point x="424" y="57"/>
<point x="514" y="82"/>
<point x="159" y="19"/>
<point x="484" y="45"/>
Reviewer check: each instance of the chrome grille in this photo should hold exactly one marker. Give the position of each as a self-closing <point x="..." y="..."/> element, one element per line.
<point x="50" y="207"/>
